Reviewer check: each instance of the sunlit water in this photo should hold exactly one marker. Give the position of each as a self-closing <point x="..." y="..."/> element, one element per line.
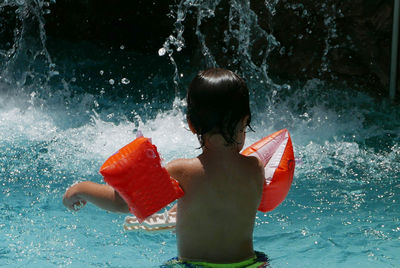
<point x="343" y="208"/>
<point x="58" y="127"/>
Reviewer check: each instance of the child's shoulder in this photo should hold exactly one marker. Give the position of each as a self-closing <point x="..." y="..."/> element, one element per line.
<point x="179" y="167"/>
<point x="181" y="163"/>
<point x="254" y="168"/>
<point x="253" y="163"/>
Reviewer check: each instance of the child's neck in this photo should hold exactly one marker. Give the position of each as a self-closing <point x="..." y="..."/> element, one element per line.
<point x="216" y="144"/>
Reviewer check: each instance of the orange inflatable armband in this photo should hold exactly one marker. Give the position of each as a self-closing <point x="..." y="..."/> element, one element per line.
<point x="276" y="153"/>
<point x="135" y="172"/>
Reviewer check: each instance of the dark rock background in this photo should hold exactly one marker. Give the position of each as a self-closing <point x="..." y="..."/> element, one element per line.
<point x="359" y="52"/>
<point x="339" y="41"/>
<point x="138" y="25"/>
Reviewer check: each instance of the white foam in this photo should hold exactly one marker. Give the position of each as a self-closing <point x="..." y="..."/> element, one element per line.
<point x="321" y="134"/>
<point x="97" y="139"/>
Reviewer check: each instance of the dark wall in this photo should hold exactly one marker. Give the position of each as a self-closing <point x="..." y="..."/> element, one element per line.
<point x="139" y="25"/>
<point x="359" y="48"/>
<point x="352" y="39"/>
<point x="339" y="41"/>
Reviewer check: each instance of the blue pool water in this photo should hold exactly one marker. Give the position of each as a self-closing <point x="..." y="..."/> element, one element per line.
<point x="57" y="127"/>
<point x="343" y="208"/>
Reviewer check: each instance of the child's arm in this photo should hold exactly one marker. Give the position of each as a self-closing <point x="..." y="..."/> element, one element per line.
<point x="101" y="195"/>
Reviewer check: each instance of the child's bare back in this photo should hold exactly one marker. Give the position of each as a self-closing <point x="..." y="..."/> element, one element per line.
<point x="222" y="193"/>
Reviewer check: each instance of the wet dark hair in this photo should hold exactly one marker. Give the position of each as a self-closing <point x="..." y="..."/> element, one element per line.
<point x="217" y="99"/>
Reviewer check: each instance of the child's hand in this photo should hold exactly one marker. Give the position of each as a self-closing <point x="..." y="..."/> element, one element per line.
<point x="101" y="195"/>
<point x="72" y="200"/>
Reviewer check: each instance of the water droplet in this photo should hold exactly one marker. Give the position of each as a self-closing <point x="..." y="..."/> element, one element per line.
<point x="53" y="73"/>
<point x="125" y="81"/>
<point x="111" y="81"/>
<point x="101" y="72"/>
<point x="122" y="47"/>
<point x="161" y="51"/>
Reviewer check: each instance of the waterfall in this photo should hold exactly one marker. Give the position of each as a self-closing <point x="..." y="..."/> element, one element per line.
<point x="243" y="44"/>
<point x="240" y="36"/>
<point x="27" y="60"/>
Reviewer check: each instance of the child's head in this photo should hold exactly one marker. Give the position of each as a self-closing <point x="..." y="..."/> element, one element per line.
<point x="217" y="100"/>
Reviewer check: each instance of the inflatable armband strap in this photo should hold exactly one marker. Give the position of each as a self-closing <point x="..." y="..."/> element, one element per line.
<point x="135" y="172"/>
<point x="156" y="222"/>
<point x="276" y="153"/>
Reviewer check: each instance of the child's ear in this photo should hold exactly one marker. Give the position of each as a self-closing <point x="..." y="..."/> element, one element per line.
<point x="244" y="122"/>
<point x="190" y="126"/>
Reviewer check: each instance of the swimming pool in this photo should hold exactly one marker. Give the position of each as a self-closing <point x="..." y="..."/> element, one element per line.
<point x="343" y="208"/>
<point x="57" y="127"/>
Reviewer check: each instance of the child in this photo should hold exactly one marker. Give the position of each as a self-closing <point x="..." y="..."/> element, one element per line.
<point x="215" y="217"/>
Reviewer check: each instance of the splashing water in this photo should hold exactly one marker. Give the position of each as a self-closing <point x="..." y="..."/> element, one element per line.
<point x="58" y="128"/>
<point x="239" y="39"/>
